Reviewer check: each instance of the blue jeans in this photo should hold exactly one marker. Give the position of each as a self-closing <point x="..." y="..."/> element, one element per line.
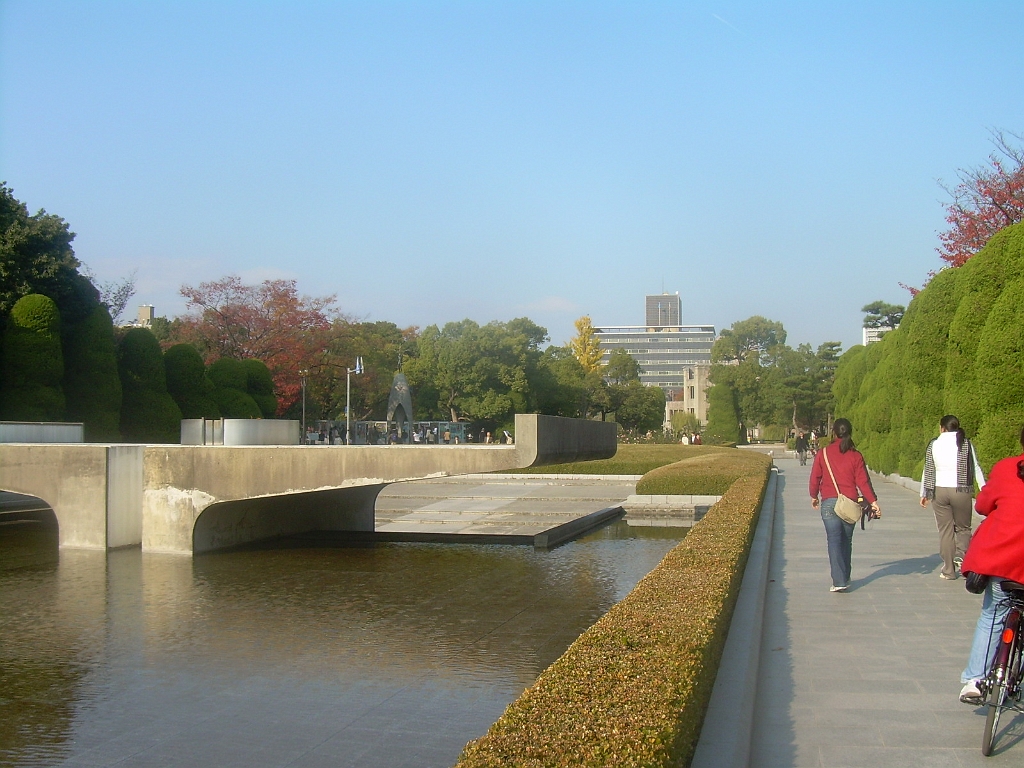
<point x="840" y="543"/>
<point x="986" y="633"/>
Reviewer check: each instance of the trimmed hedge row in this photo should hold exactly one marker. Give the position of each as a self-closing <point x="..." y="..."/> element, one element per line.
<point x="632" y="690"/>
<point x="710" y="474"/>
<point x="959" y="350"/>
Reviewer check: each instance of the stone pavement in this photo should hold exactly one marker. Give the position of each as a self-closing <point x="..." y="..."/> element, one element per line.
<point x="496" y="505"/>
<point x="869" y="677"/>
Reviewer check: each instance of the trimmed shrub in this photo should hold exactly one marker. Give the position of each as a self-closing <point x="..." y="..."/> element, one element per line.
<point x="724" y="426"/>
<point x="709" y="474"/>
<point x="632" y="690"/>
<point x="228" y="373"/>
<point x="148" y="413"/>
<point x="33" y="365"/>
<point x="188" y="383"/>
<point x="91" y="382"/>
<point x="234" y="404"/>
<point x="260" y="386"/>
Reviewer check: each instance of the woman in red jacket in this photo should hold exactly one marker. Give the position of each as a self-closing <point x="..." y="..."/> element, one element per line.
<point x="996" y="550"/>
<point x="851" y="475"/>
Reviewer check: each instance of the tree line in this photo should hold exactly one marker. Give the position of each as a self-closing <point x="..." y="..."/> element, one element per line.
<point x="243" y="351"/>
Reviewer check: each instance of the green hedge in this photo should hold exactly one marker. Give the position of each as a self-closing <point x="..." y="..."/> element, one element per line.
<point x="260" y="386"/>
<point x="632" y="690"/>
<point x="629" y="459"/>
<point x="33" y="364"/>
<point x="148" y="413"/>
<point x="724" y="426"/>
<point x="188" y="383"/>
<point x="959" y="350"/>
<point x="91" y="382"/>
<point x="709" y="474"/>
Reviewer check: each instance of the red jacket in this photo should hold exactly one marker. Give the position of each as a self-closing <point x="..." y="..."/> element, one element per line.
<point x="997" y="548"/>
<point x="850" y="472"/>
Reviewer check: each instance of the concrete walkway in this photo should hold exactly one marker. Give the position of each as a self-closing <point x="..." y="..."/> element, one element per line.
<point x="869" y="677"/>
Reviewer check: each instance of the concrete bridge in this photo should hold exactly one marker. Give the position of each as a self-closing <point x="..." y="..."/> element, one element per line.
<point x="192" y="498"/>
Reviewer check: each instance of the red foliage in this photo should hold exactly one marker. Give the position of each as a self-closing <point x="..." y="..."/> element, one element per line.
<point x="987" y="199"/>
<point x="269" y="322"/>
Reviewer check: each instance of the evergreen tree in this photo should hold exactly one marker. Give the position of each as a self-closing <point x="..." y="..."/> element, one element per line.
<point x="148" y="412"/>
<point x="91" y="382"/>
<point x="724" y="426"/>
<point x="188" y="383"/>
<point x="231" y="380"/>
<point x="32" y="362"/>
<point x="260" y="386"/>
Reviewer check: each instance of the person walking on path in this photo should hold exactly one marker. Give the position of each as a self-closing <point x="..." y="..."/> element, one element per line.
<point x="997" y="551"/>
<point x="851" y="475"/>
<point x="950" y="471"/>
<point x="801" y="448"/>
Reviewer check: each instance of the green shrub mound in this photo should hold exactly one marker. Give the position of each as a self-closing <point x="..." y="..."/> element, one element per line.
<point x="632" y="690"/>
<point x="91" y="382"/>
<point x="709" y="474"/>
<point x="232" y="394"/>
<point x="188" y="383"/>
<point x="228" y="373"/>
<point x="629" y="459"/>
<point x="33" y="363"/>
<point x="959" y="350"/>
<point x="234" y="404"/>
<point x="260" y="386"/>
<point x="148" y="412"/>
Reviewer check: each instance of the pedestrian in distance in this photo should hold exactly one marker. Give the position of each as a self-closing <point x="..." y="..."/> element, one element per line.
<point x="950" y="471"/>
<point x="840" y="459"/>
<point x="996" y="551"/>
<point x="802" y="446"/>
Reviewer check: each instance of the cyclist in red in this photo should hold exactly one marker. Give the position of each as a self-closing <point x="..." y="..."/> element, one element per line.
<point x="996" y="550"/>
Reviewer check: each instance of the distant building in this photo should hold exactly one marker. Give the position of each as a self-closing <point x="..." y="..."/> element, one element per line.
<point x="146" y="314"/>
<point x="664" y="310"/>
<point x="872" y="335"/>
<point x="671" y="355"/>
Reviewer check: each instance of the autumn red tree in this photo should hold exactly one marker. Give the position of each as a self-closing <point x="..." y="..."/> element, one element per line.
<point x="986" y="199"/>
<point x="270" y="322"/>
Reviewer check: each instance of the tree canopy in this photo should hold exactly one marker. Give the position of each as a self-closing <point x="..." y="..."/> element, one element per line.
<point x="878" y="314"/>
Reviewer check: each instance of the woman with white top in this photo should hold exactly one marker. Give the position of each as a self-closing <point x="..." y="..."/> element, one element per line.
<point x="950" y="471"/>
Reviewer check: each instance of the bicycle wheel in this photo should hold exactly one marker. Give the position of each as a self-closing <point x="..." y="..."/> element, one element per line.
<point x="996" y="701"/>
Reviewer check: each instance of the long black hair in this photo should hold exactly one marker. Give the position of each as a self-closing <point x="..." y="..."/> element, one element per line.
<point x="952" y="424"/>
<point x="842" y="429"/>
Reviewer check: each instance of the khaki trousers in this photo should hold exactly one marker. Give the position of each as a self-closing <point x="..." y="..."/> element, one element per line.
<point x="953" y="519"/>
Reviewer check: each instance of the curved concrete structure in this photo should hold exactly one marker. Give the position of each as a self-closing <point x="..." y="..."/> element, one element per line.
<point x="193" y="498"/>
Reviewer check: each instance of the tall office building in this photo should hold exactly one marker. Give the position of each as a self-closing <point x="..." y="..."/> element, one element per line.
<point x="672" y="356"/>
<point x="664" y="310"/>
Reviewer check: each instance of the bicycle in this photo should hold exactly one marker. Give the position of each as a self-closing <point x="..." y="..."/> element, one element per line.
<point x="1005" y="681"/>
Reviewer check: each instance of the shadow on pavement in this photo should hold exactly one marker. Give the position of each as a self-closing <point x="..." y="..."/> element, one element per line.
<point x="905" y="567"/>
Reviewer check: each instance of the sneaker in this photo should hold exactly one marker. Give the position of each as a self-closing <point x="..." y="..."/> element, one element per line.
<point x="947" y="577"/>
<point x="838" y="589"/>
<point x="958" y="563"/>
<point x="971" y="694"/>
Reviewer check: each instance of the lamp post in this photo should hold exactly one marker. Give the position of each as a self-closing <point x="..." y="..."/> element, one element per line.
<point x="302" y="376"/>
<point x="348" y="397"/>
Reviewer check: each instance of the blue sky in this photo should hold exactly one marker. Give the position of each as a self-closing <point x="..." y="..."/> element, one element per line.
<point x="428" y="162"/>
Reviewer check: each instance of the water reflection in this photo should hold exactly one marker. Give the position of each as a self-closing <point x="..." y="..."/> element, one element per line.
<point x="385" y="654"/>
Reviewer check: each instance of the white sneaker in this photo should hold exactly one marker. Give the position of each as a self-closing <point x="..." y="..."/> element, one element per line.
<point x="971" y="694"/>
<point x="838" y="589"/>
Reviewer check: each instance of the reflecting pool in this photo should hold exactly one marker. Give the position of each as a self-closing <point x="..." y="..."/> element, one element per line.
<point x="312" y="653"/>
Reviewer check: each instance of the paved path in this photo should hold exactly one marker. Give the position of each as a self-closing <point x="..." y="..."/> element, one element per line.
<point x="869" y="677"/>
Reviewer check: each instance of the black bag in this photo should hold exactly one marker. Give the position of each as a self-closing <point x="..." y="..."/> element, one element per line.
<point x="975" y="582"/>
<point x="866" y="512"/>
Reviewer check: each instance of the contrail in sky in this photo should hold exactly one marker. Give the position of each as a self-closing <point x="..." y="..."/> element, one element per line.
<point x="726" y="22"/>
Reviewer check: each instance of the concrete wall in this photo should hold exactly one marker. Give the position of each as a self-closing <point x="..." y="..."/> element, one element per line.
<point x="109" y="496"/>
<point x="261" y="432"/>
<point x="95" y="491"/>
<point x="41" y="432"/>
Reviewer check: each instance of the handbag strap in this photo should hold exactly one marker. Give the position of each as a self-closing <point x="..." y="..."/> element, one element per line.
<point x="824" y="453"/>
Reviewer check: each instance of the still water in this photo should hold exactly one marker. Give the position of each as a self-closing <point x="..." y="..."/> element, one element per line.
<point x="303" y="655"/>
